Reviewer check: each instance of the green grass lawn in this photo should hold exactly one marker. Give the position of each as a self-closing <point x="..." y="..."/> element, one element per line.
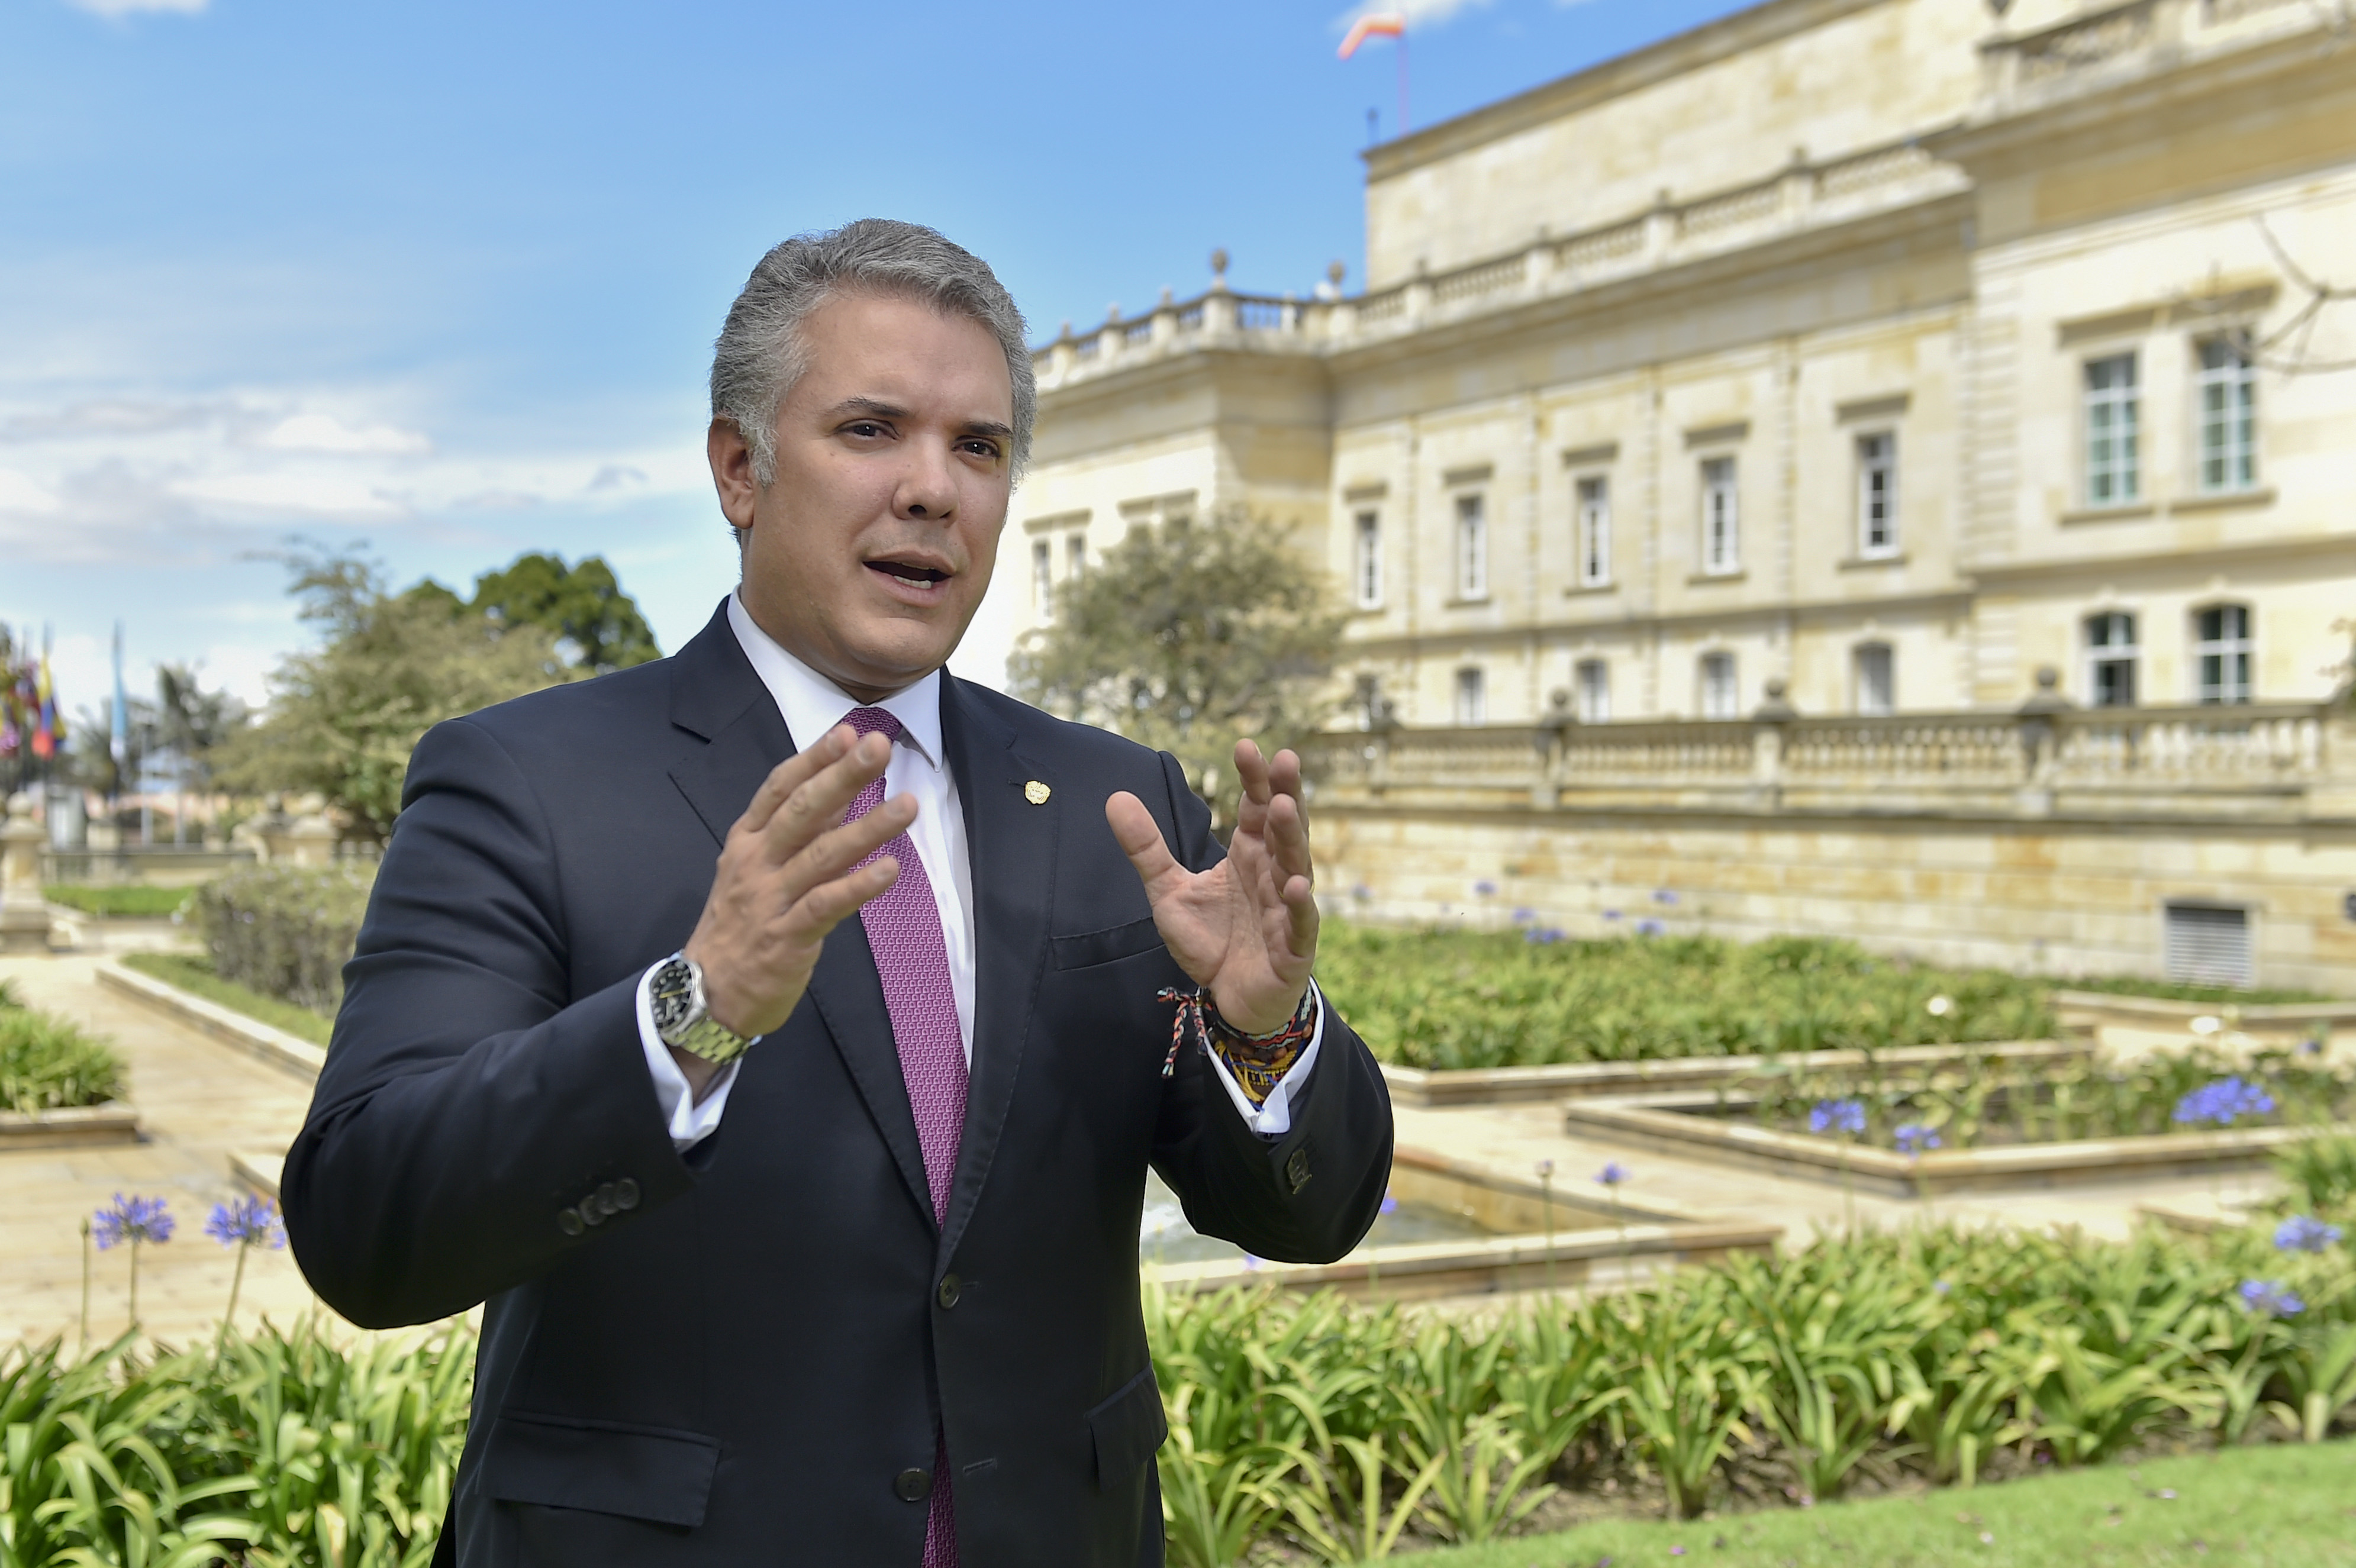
<point x="194" y="973"/>
<point x="134" y="899"/>
<point x="2291" y="1507"/>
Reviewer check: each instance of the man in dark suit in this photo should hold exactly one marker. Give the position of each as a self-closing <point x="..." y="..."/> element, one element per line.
<point x="809" y="1239"/>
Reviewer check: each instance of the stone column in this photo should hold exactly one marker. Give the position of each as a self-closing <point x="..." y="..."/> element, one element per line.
<point x="311" y="839"/>
<point x="24" y="918"/>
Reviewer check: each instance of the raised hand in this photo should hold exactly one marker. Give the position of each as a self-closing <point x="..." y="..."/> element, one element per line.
<point x="1245" y="930"/>
<point x="786" y="879"/>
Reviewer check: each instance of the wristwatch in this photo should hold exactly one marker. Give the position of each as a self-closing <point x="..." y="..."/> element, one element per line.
<point x="676" y="998"/>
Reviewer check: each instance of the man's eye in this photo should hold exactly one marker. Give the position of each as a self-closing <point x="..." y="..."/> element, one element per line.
<point x="984" y="449"/>
<point x="863" y="429"/>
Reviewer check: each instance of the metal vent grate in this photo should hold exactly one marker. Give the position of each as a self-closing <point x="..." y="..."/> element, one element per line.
<point x="2209" y="945"/>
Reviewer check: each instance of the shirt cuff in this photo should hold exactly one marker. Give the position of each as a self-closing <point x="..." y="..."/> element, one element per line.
<point x="1273" y="1118"/>
<point x="690" y="1120"/>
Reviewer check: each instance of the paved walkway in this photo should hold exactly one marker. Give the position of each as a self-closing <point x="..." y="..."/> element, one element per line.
<point x="198" y="1100"/>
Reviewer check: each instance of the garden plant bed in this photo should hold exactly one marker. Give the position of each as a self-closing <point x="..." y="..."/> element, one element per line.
<point x="2125" y="1024"/>
<point x="227" y="1024"/>
<point x="1573" y="1079"/>
<point x="76" y="1127"/>
<point x="1506" y="1244"/>
<point x="1689" y="1124"/>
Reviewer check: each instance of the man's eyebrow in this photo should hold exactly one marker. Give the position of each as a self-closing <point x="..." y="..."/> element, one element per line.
<point x="876" y="406"/>
<point x="990" y="427"/>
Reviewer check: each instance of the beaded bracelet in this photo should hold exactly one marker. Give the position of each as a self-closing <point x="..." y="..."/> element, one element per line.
<point x="1259" y="1062"/>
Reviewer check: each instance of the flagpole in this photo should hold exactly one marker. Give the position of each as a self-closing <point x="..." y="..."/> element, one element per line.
<point x="1402" y="81"/>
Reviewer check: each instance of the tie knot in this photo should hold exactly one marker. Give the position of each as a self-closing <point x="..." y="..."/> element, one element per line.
<point x="873" y="721"/>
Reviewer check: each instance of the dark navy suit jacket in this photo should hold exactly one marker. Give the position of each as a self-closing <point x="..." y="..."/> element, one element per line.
<point x="740" y="1366"/>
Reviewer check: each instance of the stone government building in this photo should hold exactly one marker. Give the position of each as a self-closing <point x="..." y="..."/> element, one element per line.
<point x="1840" y="467"/>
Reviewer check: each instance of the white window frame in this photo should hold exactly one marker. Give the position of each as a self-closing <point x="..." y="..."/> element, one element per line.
<point x="1719" y="685"/>
<point x="1591" y="535"/>
<point x="2128" y="653"/>
<point x="1367" y="558"/>
<point x="2112" y="454"/>
<point x="1472" y="546"/>
<point x="1721" y="516"/>
<point x="1042" y="577"/>
<point x="1869" y="703"/>
<point x="2226" y="436"/>
<point x="1877" y="494"/>
<point x="1591" y="679"/>
<point x="1471" y="696"/>
<point x="2232" y="645"/>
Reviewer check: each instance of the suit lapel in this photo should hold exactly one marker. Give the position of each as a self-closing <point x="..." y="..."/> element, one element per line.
<point x="1010" y="841"/>
<point x="716" y="695"/>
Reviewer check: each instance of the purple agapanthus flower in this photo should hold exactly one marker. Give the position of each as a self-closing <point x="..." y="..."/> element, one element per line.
<point x="1543" y="935"/>
<point x="1612" y="1174"/>
<point x="1649" y="928"/>
<point x="1389" y="1205"/>
<point x="1837" y="1116"/>
<point x="1523" y="915"/>
<point x="247" y="1223"/>
<point x="2271" y="1296"/>
<point x="1612" y="914"/>
<point x="2305" y="1233"/>
<point x="1664" y="895"/>
<point x="1942" y="1286"/>
<point x="132" y="1220"/>
<point x="1915" y="1138"/>
<point x="1485" y="888"/>
<point x="2224" y="1102"/>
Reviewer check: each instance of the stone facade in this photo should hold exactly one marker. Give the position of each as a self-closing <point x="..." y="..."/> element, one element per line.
<point x="1865" y="355"/>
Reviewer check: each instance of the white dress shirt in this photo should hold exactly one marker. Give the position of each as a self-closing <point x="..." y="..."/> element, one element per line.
<point x="811" y="705"/>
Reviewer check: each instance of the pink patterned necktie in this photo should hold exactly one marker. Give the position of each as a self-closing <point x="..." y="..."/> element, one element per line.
<point x="903" y="929"/>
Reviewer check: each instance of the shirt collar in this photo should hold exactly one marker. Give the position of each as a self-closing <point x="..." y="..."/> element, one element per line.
<point x="811" y="705"/>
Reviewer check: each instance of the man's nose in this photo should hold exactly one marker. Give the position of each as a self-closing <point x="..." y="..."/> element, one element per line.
<point x="928" y="488"/>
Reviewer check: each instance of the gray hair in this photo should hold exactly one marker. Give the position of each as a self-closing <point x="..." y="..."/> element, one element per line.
<point x="762" y="353"/>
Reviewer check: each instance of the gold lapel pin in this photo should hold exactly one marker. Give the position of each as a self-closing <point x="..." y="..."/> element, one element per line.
<point x="1037" y="793"/>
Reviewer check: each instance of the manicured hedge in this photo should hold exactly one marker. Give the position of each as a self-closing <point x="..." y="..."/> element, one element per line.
<point x="285" y="931"/>
<point x="1470" y="999"/>
<point x="134" y="900"/>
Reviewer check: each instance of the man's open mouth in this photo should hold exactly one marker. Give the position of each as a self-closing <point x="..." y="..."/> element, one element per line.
<point x="915" y="576"/>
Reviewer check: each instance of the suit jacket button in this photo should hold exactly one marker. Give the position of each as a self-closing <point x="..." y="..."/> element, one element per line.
<point x="591" y="1213"/>
<point x="913" y="1486"/>
<point x="569" y="1221"/>
<point x="626" y="1194"/>
<point x="609" y="1199"/>
<point x="950" y="1291"/>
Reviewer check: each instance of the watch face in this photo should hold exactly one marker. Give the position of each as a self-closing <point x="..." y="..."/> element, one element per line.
<point x="672" y="996"/>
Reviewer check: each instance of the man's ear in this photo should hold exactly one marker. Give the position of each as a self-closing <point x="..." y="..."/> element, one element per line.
<point x="732" y="472"/>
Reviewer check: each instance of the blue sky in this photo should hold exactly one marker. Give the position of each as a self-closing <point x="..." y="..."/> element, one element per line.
<point x="443" y="277"/>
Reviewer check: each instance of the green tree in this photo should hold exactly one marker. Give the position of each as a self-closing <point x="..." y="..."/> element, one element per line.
<point x="1188" y="639"/>
<point x="582" y="605"/>
<point x="344" y="717"/>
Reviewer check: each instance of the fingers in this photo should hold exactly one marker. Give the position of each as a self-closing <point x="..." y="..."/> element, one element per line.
<point x="1134" y="829"/>
<point x="833" y="852"/>
<point x="823" y="794"/>
<point x="789" y="776"/>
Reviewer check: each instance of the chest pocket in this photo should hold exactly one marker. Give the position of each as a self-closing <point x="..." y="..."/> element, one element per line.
<point x="1108" y="946"/>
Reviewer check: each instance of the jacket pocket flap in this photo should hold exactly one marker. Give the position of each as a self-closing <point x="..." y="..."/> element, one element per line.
<point x="638" y="1472"/>
<point x="1104" y="946"/>
<point x="1128" y="1428"/>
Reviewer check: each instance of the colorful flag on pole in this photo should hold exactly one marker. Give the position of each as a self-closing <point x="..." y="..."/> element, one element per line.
<point x="1375" y="24"/>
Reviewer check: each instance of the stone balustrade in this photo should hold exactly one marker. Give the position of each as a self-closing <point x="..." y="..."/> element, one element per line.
<point x="1806" y="195"/>
<point x="2111" y="39"/>
<point x="2276" y="762"/>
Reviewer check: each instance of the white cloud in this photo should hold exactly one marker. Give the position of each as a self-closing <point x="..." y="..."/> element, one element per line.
<point x="614" y="475"/>
<point x="326" y="495"/>
<point x="112" y="9"/>
<point x="110" y="418"/>
<point x="324" y="433"/>
<point x="20" y="494"/>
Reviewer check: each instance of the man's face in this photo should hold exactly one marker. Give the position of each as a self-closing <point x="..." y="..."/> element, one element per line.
<point x="869" y="553"/>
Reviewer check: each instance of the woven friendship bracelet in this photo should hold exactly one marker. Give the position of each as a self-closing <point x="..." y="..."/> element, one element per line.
<point x="1259" y="1062"/>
